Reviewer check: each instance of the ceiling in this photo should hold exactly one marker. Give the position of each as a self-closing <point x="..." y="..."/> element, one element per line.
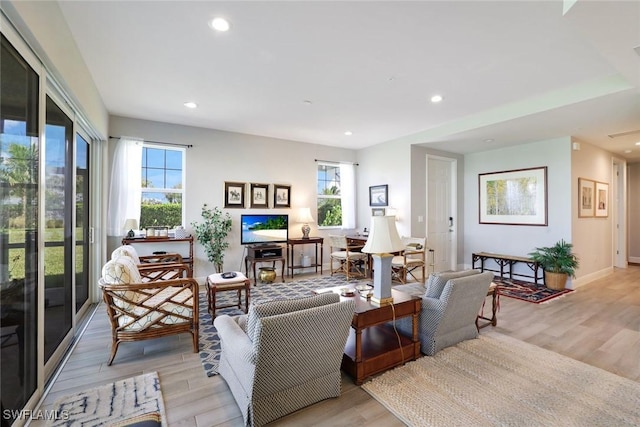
<point x="510" y="72"/>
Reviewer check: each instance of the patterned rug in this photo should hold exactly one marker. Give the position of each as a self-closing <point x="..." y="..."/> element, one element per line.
<point x="209" y="340"/>
<point x="497" y="380"/>
<point x="527" y="291"/>
<point x="132" y="399"/>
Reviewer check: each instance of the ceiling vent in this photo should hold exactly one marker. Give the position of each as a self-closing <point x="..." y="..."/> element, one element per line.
<point x="617" y="135"/>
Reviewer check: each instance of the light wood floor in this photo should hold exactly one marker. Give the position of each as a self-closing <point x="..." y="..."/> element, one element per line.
<point x="598" y="324"/>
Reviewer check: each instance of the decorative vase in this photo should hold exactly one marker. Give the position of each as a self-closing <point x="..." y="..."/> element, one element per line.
<point x="555" y="281"/>
<point x="267" y="274"/>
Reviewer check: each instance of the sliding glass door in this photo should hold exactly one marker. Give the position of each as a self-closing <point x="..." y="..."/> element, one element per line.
<point x="19" y="153"/>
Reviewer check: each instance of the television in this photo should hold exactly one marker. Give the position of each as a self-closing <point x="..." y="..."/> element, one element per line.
<point x="263" y="229"/>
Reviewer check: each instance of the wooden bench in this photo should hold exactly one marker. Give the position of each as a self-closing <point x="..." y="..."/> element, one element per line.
<point x="508" y="261"/>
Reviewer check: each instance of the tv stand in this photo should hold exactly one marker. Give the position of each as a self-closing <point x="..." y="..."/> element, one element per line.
<point x="263" y="253"/>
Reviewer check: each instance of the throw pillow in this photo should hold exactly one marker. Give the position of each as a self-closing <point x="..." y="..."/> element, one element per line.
<point x="437" y="281"/>
<point x="272" y="308"/>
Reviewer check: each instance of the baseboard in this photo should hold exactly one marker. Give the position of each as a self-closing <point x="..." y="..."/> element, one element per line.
<point x="576" y="283"/>
<point x="634" y="260"/>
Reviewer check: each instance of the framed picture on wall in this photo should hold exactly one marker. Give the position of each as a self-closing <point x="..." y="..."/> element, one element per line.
<point x="378" y="195"/>
<point x="234" y="194"/>
<point x="602" y="199"/>
<point x="586" y="197"/>
<point x="513" y="197"/>
<point x="259" y="195"/>
<point x="281" y="196"/>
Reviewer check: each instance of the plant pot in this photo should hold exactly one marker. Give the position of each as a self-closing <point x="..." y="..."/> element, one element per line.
<point x="267" y="274"/>
<point x="555" y="281"/>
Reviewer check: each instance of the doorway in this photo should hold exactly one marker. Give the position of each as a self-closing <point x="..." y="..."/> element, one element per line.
<point x="441" y="211"/>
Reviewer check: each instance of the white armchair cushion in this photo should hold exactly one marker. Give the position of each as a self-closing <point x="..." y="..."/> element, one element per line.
<point x="155" y="309"/>
<point x="126" y="250"/>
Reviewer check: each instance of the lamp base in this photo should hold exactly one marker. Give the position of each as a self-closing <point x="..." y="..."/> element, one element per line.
<point x="305" y="231"/>
<point x="131" y="234"/>
<point x="382" y="301"/>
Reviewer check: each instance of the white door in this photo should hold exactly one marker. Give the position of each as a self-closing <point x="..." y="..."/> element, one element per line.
<point x="441" y="208"/>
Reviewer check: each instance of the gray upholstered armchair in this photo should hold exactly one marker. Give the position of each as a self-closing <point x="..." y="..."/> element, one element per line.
<point x="450" y="306"/>
<point x="284" y="355"/>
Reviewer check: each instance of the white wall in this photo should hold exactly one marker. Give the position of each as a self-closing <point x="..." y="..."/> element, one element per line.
<point x="520" y="239"/>
<point x="387" y="163"/>
<point x="42" y="24"/>
<point x="218" y="156"/>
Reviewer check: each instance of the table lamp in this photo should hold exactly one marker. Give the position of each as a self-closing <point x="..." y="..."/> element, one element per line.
<point x="131" y="224"/>
<point x="304" y="216"/>
<point x="383" y="239"/>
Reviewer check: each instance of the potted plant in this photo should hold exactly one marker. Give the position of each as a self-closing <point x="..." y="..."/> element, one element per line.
<point x="558" y="262"/>
<point x="212" y="233"/>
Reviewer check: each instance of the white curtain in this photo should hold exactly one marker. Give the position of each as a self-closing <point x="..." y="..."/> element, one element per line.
<point x="126" y="180"/>
<point x="348" y="195"/>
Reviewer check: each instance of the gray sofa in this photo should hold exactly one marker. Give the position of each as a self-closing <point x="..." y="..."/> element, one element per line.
<point x="284" y="355"/>
<point x="450" y="304"/>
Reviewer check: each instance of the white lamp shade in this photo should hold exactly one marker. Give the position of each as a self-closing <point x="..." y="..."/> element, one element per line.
<point x="130" y="224"/>
<point x="304" y="216"/>
<point x="383" y="237"/>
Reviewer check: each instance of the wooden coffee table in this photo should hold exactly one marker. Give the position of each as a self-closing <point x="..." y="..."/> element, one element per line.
<point x="373" y="345"/>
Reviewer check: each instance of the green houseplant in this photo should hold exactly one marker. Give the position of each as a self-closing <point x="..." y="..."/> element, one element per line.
<point x="212" y="233"/>
<point x="558" y="262"/>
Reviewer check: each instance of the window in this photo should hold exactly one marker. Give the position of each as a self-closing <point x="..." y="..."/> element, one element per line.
<point x="162" y="187"/>
<point x="329" y="195"/>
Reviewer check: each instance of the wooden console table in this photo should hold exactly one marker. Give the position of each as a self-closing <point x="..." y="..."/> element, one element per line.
<point x="373" y="346"/>
<point x="508" y="261"/>
<point x="183" y="246"/>
<point x="291" y="243"/>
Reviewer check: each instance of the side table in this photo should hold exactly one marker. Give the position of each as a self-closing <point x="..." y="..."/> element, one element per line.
<point x="291" y="263"/>
<point x="252" y="260"/>
<point x="216" y="283"/>
<point x="493" y="320"/>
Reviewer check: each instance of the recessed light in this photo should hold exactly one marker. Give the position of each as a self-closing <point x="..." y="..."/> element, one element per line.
<point x="638" y="143"/>
<point x="348" y="133"/>
<point x="489" y="140"/>
<point x="436" y="98"/>
<point x="628" y="151"/>
<point x="219" y="24"/>
<point x="191" y="105"/>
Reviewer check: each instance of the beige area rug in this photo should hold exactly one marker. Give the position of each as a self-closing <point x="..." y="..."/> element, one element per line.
<point x="119" y="403"/>
<point x="500" y="381"/>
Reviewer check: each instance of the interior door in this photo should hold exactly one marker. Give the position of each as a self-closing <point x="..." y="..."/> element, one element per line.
<point x="441" y="221"/>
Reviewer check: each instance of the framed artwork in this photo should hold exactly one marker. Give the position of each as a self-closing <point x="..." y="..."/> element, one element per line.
<point x="234" y="194"/>
<point x="514" y="197"/>
<point x="259" y="195"/>
<point x="377" y="212"/>
<point x="378" y="195"/>
<point x="602" y="199"/>
<point x="281" y="196"/>
<point x="586" y="197"/>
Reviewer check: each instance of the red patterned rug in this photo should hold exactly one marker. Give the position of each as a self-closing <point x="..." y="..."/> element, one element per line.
<point x="526" y="291"/>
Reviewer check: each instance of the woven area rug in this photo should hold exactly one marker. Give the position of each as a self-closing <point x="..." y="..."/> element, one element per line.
<point x="527" y="291"/>
<point x="209" y="340"/>
<point x="500" y="381"/>
<point x="132" y="399"/>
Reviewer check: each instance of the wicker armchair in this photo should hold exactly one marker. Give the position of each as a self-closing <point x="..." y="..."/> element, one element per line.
<point x="284" y="355"/>
<point x="140" y="310"/>
<point x="155" y="267"/>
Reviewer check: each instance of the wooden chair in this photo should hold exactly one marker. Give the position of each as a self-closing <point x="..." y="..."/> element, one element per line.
<point x="141" y="310"/>
<point x="353" y="264"/>
<point x="413" y="257"/>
